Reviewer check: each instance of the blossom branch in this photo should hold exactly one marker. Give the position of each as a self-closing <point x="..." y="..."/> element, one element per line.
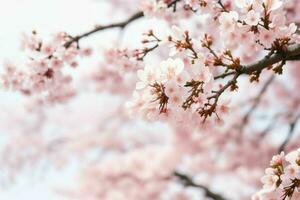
<point x="291" y="52"/>
<point x="188" y="182"/>
<point x="121" y="25"/>
<point x="98" y="28"/>
<point x="209" y="108"/>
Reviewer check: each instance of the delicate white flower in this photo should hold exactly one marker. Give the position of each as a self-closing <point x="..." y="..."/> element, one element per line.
<point x="266" y="37"/>
<point x="171" y="68"/>
<point x="293" y="157"/>
<point x="153" y="8"/>
<point x="192" y="3"/>
<point x="176" y="34"/>
<point x="205" y="75"/>
<point x="252" y="18"/>
<point x="288" y="31"/>
<point x="243" y="4"/>
<point x="270" y="181"/>
<point x="272" y="5"/>
<point x="290" y="172"/>
<point x="149" y="75"/>
<point x="277" y="159"/>
<point x="228" y="21"/>
<point x="277" y="21"/>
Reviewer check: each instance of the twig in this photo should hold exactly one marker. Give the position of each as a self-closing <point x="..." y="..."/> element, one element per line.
<point x="121" y="25"/>
<point x="101" y="28"/>
<point x="210" y="108"/>
<point x="224" y="75"/>
<point x="188" y="182"/>
<point x="290" y="134"/>
<point x="222" y="6"/>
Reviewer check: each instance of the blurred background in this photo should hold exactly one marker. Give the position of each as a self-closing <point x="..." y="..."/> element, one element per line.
<point x="46" y="17"/>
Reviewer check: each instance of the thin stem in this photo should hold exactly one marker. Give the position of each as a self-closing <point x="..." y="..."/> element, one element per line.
<point x="121" y="25"/>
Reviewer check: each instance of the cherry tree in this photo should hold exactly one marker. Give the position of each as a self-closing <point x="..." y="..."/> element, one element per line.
<point x="203" y="105"/>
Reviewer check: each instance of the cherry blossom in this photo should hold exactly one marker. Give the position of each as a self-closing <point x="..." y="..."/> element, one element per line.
<point x="171" y="68"/>
<point x="282" y="179"/>
<point x="228" y="21"/>
<point x="190" y="102"/>
<point x="252" y="18"/>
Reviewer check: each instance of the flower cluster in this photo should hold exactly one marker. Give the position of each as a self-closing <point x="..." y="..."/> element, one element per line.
<point x="44" y="74"/>
<point x="282" y="179"/>
<point x="233" y="33"/>
<point x="168" y="89"/>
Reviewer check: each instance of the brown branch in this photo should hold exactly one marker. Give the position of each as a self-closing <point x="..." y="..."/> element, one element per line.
<point x="225" y="87"/>
<point x="291" y="52"/>
<point x="188" y="182"/>
<point x="210" y="108"/>
<point x="224" y="75"/>
<point x="121" y="25"/>
<point x="146" y="51"/>
<point x="290" y="133"/>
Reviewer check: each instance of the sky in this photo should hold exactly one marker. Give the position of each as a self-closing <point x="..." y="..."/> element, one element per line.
<point x="45" y="16"/>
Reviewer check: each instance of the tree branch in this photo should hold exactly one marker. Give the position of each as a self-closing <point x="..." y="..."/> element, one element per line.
<point x="290" y="134"/>
<point x="188" y="182"/>
<point x="291" y="52"/>
<point x="121" y="25"/>
<point x="224" y="75"/>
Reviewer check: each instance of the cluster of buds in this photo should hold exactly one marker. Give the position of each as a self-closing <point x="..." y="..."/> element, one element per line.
<point x="182" y="41"/>
<point x="150" y="39"/>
